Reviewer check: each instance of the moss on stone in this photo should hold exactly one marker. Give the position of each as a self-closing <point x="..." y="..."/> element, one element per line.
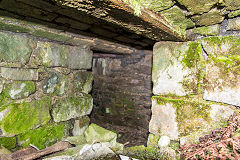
<point x="208" y="31"/>
<point x="8" y="142"/>
<point x="189" y="112"/>
<point x="234" y="14"/>
<point x="44" y="136"/>
<point x="177" y="18"/>
<point x="50" y="35"/>
<point x="34" y="113"/>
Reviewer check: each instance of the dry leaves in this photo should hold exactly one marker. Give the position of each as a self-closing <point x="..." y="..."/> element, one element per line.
<point x="220" y="144"/>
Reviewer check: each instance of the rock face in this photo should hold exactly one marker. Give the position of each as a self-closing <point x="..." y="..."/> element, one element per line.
<point x="222" y="69"/>
<point x="208" y="31"/>
<point x="182" y="117"/>
<point x="21" y="89"/>
<point x="14" y="116"/>
<point x="234" y="24"/>
<point x="177" y="68"/>
<point x="73" y="107"/>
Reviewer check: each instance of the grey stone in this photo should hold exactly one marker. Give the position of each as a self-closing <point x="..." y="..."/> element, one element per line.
<point x="60" y="158"/>
<point x="222" y="69"/>
<point x="15" y="48"/>
<point x="21" y="89"/>
<point x="163" y="120"/>
<point x="234" y="24"/>
<point x="177" y="68"/>
<point x="232" y="5"/>
<point x="80" y="125"/>
<point x="80" y="58"/>
<point x="19" y="74"/>
<point x="164" y="141"/>
<point x="96" y="151"/>
<point x="55" y="55"/>
<point x="55" y="84"/>
<point x="83" y="82"/>
<point x="72" y="107"/>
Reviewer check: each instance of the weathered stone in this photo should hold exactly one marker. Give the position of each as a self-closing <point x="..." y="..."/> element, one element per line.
<point x="15" y="48"/>
<point x="19" y="74"/>
<point x="80" y="125"/>
<point x="83" y="82"/>
<point x="164" y="141"/>
<point x="222" y="69"/>
<point x="96" y="151"/>
<point x="95" y="133"/>
<point x="234" y="24"/>
<point x="210" y="18"/>
<point x="44" y="136"/>
<point x="176" y="17"/>
<point x="232" y="5"/>
<point x="163" y="121"/>
<point x="159" y="5"/>
<point x="196" y="6"/>
<point x="4" y="151"/>
<point x="55" y="55"/>
<point x="189" y="118"/>
<point x="21" y="117"/>
<point x="234" y="14"/>
<point x="208" y="31"/>
<point x="177" y="68"/>
<point x="72" y="107"/>
<point x="55" y="84"/>
<point x="77" y="140"/>
<point x="21" y="89"/>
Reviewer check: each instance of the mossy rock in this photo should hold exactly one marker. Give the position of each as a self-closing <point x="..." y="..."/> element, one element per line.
<point x="196" y="6"/>
<point x="44" y="136"/>
<point x="232" y="5"/>
<point x="95" y="133"/>
<point x="223" y="69"/>
<point x="176" y="17"/>
<point x="72" y="107"/>
<point x="234" y="14"/>
<point x="210" y="18"/>
<point x="15" y="48"/>
<point x="83" y="81"/>
<point x="15" y="116"/>
<point x="179" y="66"/>
<point x="21" y="89"/>
<point x="180" y="116"/>
<point x="208" y="31"/>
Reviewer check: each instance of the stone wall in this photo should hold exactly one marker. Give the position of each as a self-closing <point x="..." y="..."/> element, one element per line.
<point x="195" y="87"/>
<point x="44" y="90"/>
<point x="122" y="93"/>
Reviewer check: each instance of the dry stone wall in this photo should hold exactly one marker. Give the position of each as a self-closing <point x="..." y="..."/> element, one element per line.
<point x="195" y="86"/>
<point x="44" y="90"/>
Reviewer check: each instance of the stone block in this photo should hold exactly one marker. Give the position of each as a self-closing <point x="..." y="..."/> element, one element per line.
<point x="178" y="68"/>
<point x="55" y="55"/>
<point x="17" y="118"/>
<point x="80" y="125"/>
<point x="210" y="18"/>
<point x="196" y="6"/>
<point x="208" y="31"/>
<point x="21" y="89"/>
<point x="44" y="136"/>
<point x="232" y="5"/>
<point x="234" y="24"/>
<point x="55" y="84"/>
<point x="159" y="5"/>
<point x="95" y="133"/>
<point x="178" y="117"/>
<point x="15" y="48"/>
<point x="222" y="69"/>
<point x="72" y="107"/>
<point x="82" y="82"/>
<point x="19" y="74"/>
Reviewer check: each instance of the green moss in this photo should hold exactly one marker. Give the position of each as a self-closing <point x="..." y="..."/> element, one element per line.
<point x="21" y="89"/>
<point x="207" y="31"/>
<point x="188" y="112"/>
<point x="8" y="142"/>
<point x="44" y="136"/>
<point x="142" y="152"/>
<point x="35" y="114"/>
<point x="234" y="14"/>
<point x="49" y="35"/>
<point x="193" y="59"/>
